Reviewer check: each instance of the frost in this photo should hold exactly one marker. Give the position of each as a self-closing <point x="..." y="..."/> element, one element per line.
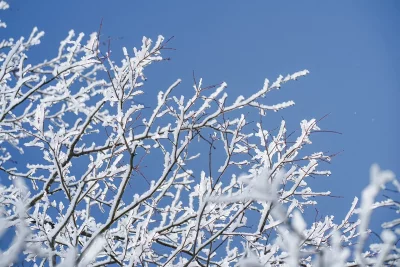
<point x="98" y="245"/>
<point x="121" y="174"/>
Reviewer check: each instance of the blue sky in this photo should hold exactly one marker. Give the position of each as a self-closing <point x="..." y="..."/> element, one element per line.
<point x="351" y="49"/>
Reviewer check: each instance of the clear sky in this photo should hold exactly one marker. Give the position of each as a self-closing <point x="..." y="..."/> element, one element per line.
<point x="351" y="49"/>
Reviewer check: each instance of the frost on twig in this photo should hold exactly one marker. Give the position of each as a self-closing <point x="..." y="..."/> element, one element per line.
<point x="187" y="182"/>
